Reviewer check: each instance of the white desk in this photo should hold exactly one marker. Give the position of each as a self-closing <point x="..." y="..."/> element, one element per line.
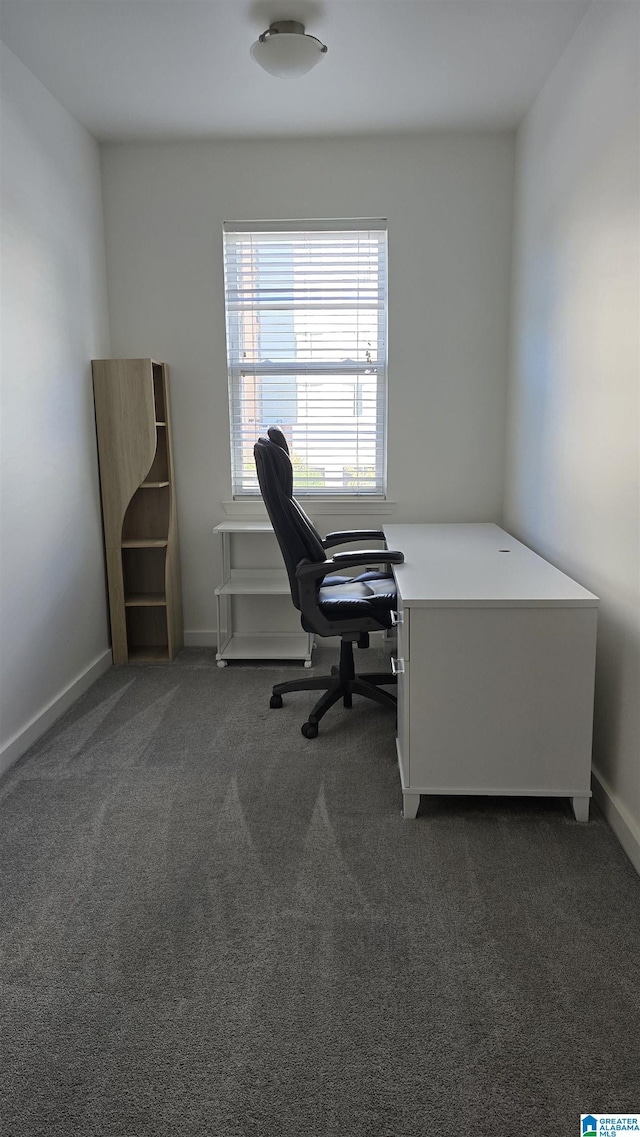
<point x="496" y="662"/>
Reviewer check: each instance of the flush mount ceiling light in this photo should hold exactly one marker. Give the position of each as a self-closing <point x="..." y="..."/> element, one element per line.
<point x="286" y="51"/>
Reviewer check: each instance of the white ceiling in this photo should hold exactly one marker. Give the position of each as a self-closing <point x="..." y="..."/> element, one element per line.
<point x="136" y="69"/>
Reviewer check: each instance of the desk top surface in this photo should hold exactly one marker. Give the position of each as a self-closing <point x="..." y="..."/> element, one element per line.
<point x="477" y="565"/>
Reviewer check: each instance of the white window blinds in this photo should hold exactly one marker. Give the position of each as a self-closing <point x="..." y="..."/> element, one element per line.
<point x="306" y="306"/>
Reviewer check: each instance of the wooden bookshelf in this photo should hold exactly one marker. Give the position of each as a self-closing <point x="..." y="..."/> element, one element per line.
<point x="138" y="508"/>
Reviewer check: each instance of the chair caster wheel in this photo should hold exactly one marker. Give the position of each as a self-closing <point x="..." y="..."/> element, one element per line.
<point x="310" y="729"/>
<point x="275" y="702"/>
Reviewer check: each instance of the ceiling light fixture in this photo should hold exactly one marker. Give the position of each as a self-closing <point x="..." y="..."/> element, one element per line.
<point x="286" y="51"/>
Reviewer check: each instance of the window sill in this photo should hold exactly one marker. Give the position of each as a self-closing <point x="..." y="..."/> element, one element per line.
<point x="251" y="509"/>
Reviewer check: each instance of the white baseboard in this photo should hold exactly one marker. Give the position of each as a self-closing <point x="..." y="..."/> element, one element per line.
<point x="41" y="722"/>
<point x="209" y="639"/>
<point x="200" y="639"/>
<point x="625" y="828"/>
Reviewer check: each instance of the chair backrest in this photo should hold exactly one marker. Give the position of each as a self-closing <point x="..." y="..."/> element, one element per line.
<point x="297" y="536"/>
<point x="285" y="470"/>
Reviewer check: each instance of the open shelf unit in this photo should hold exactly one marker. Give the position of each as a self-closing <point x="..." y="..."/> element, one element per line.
<point x="238" y="580"/>
<point x="138" y="509"/>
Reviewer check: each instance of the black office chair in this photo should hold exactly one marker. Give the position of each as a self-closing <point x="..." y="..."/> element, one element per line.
<point x="330" y="603"/>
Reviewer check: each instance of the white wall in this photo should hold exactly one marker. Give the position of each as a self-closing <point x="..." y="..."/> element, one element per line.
<point x="447" y="199"/>
<point x="574" y="424"/>
<point x="53" y="626"/>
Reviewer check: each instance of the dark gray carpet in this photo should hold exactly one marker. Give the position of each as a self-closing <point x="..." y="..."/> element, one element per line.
<point x="213" y="926"/>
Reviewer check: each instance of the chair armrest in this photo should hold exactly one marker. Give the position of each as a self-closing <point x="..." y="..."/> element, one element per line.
<point x="342" y="538"/>
<point x="314" y="570"/>
<point x="363" y="556"/>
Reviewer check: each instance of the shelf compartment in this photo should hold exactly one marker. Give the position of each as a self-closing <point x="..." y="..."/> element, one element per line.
<point x="149" y="655"/>
<point x="153" y="485"/>
<point x="144" y="574"/>
<point x="159" y="471"/>
<point x="147" y="632"/>
<point x="147" y="515"/>
<point x="145" y="600"/>
<point x="244" y="527"/>
<point x="266" y="645"/>
<point x="158" y="391"/>
<point x="144" y="543"/>
<point x="255" y="582"/>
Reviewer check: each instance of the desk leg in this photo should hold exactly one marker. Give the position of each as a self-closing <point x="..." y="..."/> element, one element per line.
<point x="580" y="808"/>
<point x="410" y="803"/>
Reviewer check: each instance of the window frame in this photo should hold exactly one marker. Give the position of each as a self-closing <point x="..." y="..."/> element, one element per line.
<point x="316" y="370"/>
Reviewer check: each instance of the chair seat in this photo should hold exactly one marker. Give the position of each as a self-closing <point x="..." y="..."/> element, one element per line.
<point x="369" y="594"/>
<point x="371" y="574"/>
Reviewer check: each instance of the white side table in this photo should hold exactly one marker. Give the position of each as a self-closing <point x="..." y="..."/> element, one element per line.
<point x="238" y="580"/>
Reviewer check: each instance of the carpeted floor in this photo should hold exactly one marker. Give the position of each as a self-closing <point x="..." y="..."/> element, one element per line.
<point x="211" y="925"/>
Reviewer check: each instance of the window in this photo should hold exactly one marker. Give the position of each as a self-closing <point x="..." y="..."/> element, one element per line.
<point x="306" y="306"/>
